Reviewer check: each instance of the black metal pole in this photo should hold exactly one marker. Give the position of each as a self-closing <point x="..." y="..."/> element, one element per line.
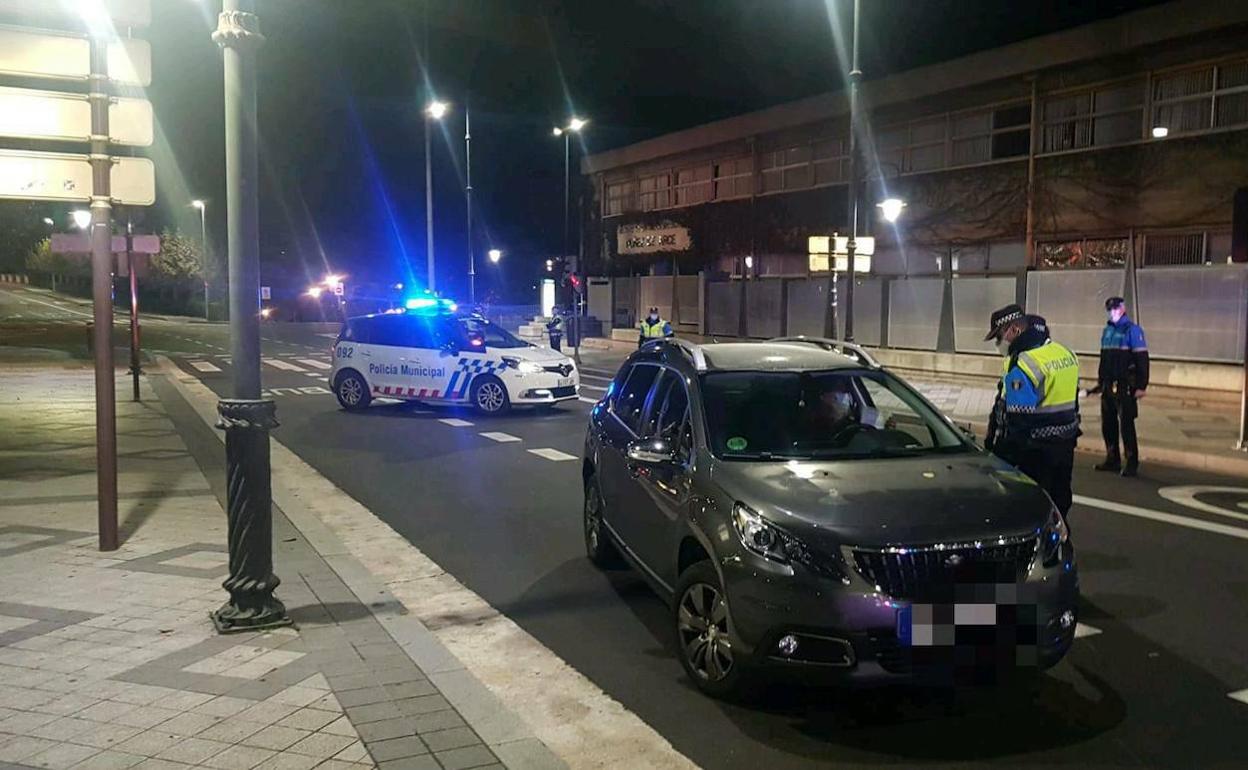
<point x="855" y="75"/>
<point x="246" y="417"/>
<point x="472" y="257"/>
<point x="567" y="184"/>
<point x="102" y="300"/>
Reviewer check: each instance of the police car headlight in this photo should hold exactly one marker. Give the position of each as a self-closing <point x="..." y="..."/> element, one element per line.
<point x="524" y="367"/>
<point x="1053" y="538"/>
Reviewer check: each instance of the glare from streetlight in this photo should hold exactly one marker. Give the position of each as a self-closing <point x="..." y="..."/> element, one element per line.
<point x="332" y="280"/>
<point x="576" y="124"/>
<point x="557" y="131"/>
<point x="495" y="255"/>
<point x="49" y="222"/>
<point x="315" y="291"/>
<point x="891" y="208"/>
<point x="749" y="263"/>
<point x="199" y="204"/>
<point x="82" y="219"/>
<point x="550" y="265"/>
<point x="437" y="109"/>
<point x="1160" y="132"/>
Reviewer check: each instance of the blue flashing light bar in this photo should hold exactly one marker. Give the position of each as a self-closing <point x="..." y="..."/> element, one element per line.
<point x="431" y="304"/>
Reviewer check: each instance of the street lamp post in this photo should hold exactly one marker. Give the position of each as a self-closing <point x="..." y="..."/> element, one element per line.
<point x="472" y="258"/>
<point x="855" y="75"/>
<point x="246" y="417"/>
<point x="575" y="125"/>
<point x="433" y="111"/>
<point x="203" y="247"/>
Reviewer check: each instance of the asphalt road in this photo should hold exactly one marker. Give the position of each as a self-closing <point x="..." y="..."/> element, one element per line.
<point x="1165" y="586"/>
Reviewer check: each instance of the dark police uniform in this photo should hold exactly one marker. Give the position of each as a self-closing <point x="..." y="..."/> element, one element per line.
<point x="1035" y="421"/>
<point x="1123" y="371"/>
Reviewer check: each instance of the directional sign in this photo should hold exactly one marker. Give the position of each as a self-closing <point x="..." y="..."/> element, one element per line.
<point x="58" y="176"/>
<point x="60" y="55"/>
<point x="122" y="13"/>
<point x="80" y="243"/>
<point x="26" y="114"/>
<point x="266" y="292"/>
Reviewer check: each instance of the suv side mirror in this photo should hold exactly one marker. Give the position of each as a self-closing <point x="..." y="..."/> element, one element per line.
<point x="653" y="451"/>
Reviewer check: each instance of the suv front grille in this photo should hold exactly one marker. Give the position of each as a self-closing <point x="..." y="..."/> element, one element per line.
<point x="904" y="572"/>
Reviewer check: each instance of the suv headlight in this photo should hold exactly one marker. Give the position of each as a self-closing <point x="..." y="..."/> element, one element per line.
<point x="769" y="541"/>
<point x="1053" y="538"/>
<point x="524" y="367"/>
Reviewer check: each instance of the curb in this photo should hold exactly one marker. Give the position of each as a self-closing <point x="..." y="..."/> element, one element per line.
<point x="502" y="730"/>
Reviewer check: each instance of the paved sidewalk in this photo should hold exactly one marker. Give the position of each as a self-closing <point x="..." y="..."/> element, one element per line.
<point x="109" y="660"/>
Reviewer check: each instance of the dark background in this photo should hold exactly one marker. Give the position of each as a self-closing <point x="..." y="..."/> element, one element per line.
<point x="342" y="91"/>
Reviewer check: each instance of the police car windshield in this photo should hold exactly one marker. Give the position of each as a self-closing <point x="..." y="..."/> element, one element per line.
<point x="835" y="415"/>
<point x="495" y="336"/>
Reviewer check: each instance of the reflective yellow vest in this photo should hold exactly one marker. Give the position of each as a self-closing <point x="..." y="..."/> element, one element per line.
<point x="1041" y="392"/>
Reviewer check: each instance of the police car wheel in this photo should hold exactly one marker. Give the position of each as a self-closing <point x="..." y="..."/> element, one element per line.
<point x="598" y="546"/>
<point x="352" y="392"/>
<point x="489" y="395"/>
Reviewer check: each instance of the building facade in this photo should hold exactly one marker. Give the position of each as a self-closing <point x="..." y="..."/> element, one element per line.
<point x="1102" y="159"/>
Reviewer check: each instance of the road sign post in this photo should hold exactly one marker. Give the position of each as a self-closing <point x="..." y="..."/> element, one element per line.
<point x="246" y="418"/>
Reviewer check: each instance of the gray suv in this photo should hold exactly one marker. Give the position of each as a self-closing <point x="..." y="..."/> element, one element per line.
<point x="806" y="512"/>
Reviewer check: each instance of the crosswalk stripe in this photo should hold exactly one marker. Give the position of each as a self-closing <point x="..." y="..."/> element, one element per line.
<point x="587" y="399"/>
<point x="204" y="366"/>
<point x="552" y="454"/>
<point x="312" y="362"/>
<point x="278" y="363"/>
<point x="315" y="375"/>
<point x="1082" y="630"/>
<point x="455" y="422"/>
<point x="502" y="438"/>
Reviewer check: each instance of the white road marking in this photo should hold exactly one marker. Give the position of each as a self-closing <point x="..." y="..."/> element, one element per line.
<point x="312" y="362"/>
<point x="1239" y="695"/>
<point x="317" y="375"/>
<point x="552" y="454"/>
<point x="1082" y="630"/>
<point x="278" y="363"/>
<point x="455" y="422"/>
<point x="587" y="400"/>
<point x="1186" y="496"/>
<point x="24" y="298"/>
<point x="204" y="366"/>
<point x="593" y="387"/>
<point x="1167" y="518"/>
<point x="585" y="376"/>
<point x="502" y="438"/>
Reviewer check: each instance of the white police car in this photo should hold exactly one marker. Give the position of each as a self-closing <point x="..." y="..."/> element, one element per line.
<point x="439" y="357"/>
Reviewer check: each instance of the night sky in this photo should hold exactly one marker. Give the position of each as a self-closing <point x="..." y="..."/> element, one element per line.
<point x="341" y="84"/>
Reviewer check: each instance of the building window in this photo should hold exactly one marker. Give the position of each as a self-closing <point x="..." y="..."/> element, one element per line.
<point x="831" y="162"/>
<point x="619" y="198"/>
<point x="787" y="169"/>
<point x="1108" y="115"/>
<point x="912" y="147"/>
<point x="1174" y="249"/>
<point x="693" y="185"/>
<point x="1083" y="253"/>
<point x="655" y="192"/>
<point x="1201" y="99"/>
<point x="992" y="134"/>
<point x="732" y="178"/>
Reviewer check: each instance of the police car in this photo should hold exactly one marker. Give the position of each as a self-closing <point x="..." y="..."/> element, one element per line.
<point x="431" y="354"/>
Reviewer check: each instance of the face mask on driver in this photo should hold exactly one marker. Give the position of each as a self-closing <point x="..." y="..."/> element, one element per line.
<point x="1115" y="314"/>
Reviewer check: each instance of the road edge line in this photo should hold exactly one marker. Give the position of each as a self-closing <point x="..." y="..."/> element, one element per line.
<point x="468" y="675"/>
<point x="1162" y="516"/>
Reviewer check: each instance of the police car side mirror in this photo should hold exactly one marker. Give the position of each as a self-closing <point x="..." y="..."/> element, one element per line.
<point x="653" y="451"/>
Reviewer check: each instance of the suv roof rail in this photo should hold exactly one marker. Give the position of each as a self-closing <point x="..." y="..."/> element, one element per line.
<point x="849" y="349"/>
<point x="692" y="351"/>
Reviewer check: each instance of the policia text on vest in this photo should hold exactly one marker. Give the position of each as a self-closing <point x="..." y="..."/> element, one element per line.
<point x="1035" y="421"/>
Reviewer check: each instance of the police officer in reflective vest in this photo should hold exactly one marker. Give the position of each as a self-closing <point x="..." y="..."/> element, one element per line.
<point x="1035" y="422"/>
<point x="653" y="327"/>
<point x="1121" y="380"/>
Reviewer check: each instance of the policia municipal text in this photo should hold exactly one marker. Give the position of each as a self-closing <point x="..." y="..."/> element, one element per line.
<point x="1035" y="421"/>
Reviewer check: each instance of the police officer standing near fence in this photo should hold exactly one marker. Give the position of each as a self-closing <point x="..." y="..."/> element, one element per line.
<point x="1121" y="380"/>
<point x="1035" y="422"/>
<point x="653" y="327"/>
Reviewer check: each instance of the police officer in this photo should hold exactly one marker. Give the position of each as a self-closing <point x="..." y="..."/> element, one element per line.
<point x="1121" y="381"/>
<point x="554" y="328"/>
<point x="653" y="327"/>
<point x="1035" y="422"/>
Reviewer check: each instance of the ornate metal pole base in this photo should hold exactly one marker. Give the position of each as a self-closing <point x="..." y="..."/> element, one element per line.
<point x="251" y="583"/>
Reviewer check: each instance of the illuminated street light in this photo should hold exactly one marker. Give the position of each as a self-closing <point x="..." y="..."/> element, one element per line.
<point x="576" y="124"/>
<point x="436" y="109"/>
<point x="494" y="255"/>
<point x="749" y="263"/>
<point x="315" y="292"/>
<point x="891" y="208"/>
<point x="557" y="131"/>
<point x="550" y="265"/>
<point x="1160" y="132"/>
<point x="49" y="222"/>
<point x="82" y="219"/>
<point x="332" y="280"/>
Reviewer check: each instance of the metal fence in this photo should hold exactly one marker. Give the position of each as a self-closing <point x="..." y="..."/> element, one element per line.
<point x="1194" y="313"/>
<point x="974" y="299"/>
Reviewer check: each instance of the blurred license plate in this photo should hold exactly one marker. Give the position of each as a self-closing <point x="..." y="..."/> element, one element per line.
<point x="936" y="625"/>
<point x="565" y="382"/>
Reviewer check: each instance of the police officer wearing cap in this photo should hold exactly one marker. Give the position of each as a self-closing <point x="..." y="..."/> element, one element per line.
<point x="1121" y="380"/>
<point x="1035" y="421"/>
<point x="653" y="327"/>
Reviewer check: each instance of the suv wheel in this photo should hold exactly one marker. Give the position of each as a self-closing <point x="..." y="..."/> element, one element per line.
<point x="598" y="545"/>
<point x="352" y="391"/>
<point x="489" y="395"/>
<point x="703" y="634"/>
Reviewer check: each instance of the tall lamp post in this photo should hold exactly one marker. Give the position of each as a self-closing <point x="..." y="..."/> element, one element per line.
<point x="472" y="255"/>
<point x="433" y="111"/>
<point x="855" y="76"/>
<point x="202" y="207"/>
<point x="246" y="417"/>
<point x="574" y="126"/>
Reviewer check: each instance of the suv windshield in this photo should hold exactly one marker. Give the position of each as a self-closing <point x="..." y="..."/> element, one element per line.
<point x="842" y="414"/>
<point x="495" y="336"/>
